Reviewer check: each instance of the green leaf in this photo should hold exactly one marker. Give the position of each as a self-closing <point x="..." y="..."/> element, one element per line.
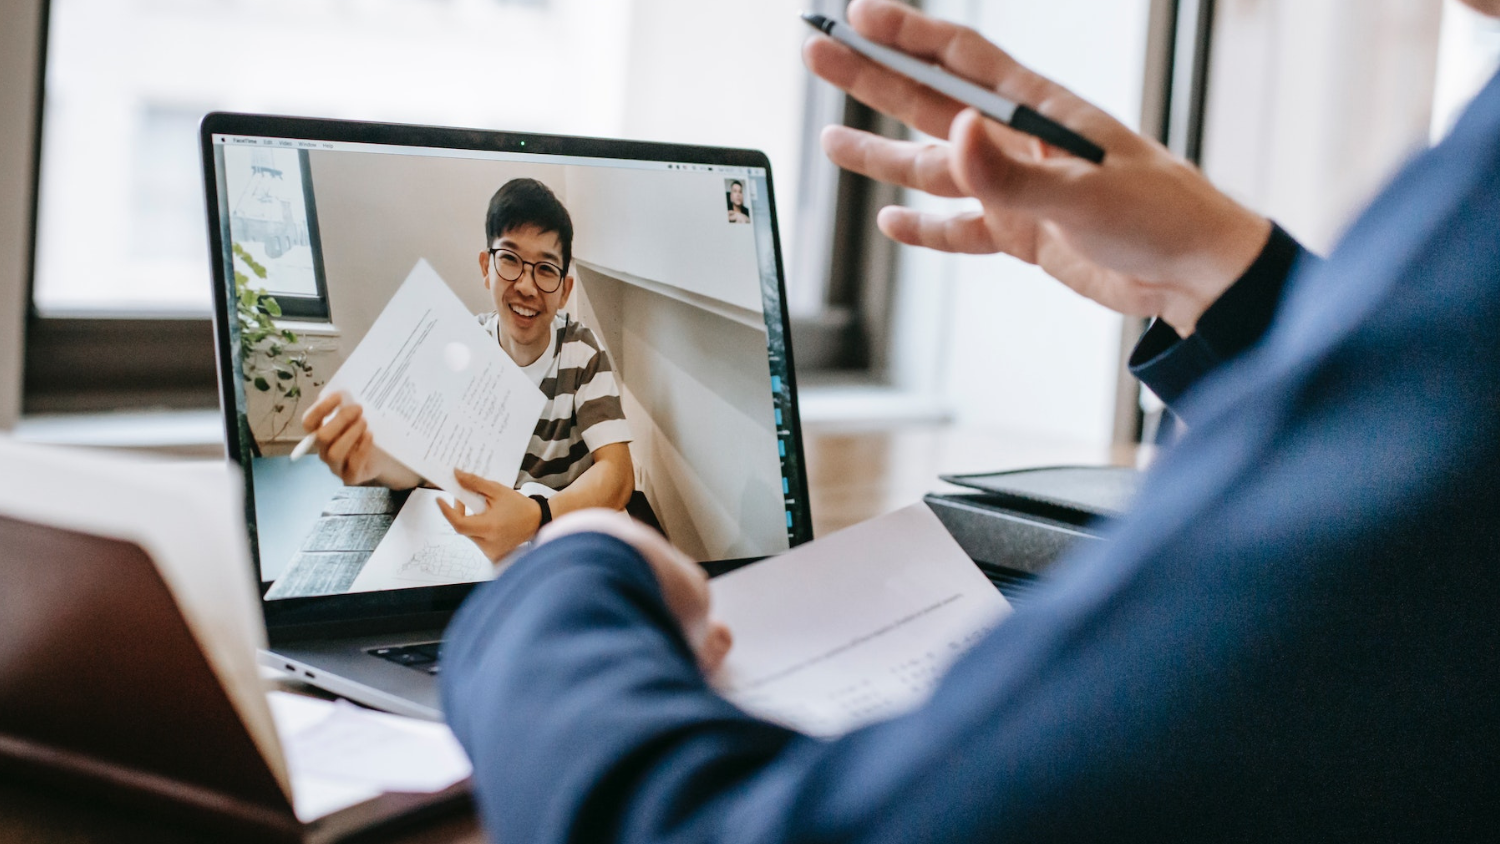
<point x="271" y="306"/>
<point x="250" y="262"/>
<point x="289" y="335"/>
<point x="262" y="384"/>
<point x="285" y="374"/>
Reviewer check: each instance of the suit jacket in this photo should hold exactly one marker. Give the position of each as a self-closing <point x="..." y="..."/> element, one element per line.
<point x="1294" y="636"/>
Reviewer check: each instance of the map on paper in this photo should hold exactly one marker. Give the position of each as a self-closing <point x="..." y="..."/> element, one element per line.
<point x="422" y="549"/>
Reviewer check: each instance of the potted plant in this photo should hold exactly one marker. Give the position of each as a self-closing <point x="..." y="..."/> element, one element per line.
<point x="273" y="361"/>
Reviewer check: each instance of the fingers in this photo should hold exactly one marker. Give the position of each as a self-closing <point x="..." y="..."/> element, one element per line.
<point x="457" y="515"/>
<point x="961" y="51"/>
<point x="716" y="644"/>
<point x="359" y="464"/>
<point x="313" y="418"/>
<point x="983" y="168"/>
<point x="966" y="53"/>
<point x="923" y="166"/>
<point x="966" y="233"/>
<point x="885" y="90"/>
<point x="476" y="484"/>
<point x="330" y="432"/>
<point x="339" y="452"/>
<point x="684" y="586"/>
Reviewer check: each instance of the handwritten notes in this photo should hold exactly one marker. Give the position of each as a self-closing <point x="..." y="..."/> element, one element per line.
<point x="422" y="549"/>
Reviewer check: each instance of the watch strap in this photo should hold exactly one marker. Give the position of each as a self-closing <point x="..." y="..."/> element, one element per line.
<point x="541" y="501"/>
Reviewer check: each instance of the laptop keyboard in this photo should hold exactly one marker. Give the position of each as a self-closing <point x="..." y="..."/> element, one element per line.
<point x="423" y="657"/>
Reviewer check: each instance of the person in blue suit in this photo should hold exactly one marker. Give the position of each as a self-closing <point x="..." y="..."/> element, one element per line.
<point x="1294" y="636"/>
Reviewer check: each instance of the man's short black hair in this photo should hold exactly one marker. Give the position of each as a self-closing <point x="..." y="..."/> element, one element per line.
<point x="527" y="202"/>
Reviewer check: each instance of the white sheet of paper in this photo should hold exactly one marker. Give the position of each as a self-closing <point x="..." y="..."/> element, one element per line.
<point x="189" y="517"/>
<point x="438" y="392"/>
<point x="852" y="628"/>
<point x="422" y="549"/>
<point x="341" y="755"/>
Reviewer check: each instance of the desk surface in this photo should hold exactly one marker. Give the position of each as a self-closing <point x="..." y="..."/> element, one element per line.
<point x="29" y="815"/>
<point x="853" y="475"/>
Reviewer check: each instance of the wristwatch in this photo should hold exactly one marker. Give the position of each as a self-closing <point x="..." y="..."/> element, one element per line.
<point x="541" y="501"/>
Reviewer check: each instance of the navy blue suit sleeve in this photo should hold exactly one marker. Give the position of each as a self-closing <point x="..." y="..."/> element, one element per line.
<point x="1291" y="637"/>
<point x="1171" y="366"/>
<point x="572" y="689"/>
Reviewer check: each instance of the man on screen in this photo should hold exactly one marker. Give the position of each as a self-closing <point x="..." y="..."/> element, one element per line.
<point x="579" y="455"/>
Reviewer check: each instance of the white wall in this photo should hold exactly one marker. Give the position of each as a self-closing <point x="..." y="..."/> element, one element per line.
<point x="18" y="72"/>
<point x="697" y="390"/>
<point x="620" y="218"/>
<point x="999" y="343"/>
<point x="1468" y="52"/>
<point x="722" y="73"/>
<point x="377" y="215"/>
<point x="1314" y="103"/>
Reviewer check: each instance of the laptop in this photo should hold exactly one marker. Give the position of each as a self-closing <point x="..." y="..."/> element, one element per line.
<point x="669" y="340"/>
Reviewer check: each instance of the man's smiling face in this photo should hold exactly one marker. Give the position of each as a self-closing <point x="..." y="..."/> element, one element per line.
<point x="526" y="309"/>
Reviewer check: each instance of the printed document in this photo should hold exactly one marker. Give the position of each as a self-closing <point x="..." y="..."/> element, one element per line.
<point x="853" y="628"/>
<point x="438" y="392"/>
<point x="340" y="755"/>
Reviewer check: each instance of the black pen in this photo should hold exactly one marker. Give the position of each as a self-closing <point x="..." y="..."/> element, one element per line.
<point x="1018" y="117"/>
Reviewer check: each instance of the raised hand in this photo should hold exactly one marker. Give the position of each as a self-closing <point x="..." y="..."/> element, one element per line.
<point x="1143" y="234"/>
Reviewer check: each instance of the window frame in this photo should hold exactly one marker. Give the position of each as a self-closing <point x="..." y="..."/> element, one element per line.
<point x="315" y="307"/>
<point x="73" y="363"/>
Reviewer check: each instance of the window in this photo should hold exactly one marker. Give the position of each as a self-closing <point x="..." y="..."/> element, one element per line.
<point x="275" y="221"/>
<point x="120" y="283"/>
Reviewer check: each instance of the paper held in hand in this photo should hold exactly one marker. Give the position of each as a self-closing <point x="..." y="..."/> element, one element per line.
<point x="855" y="627"/>
<point x="438" y="392"/>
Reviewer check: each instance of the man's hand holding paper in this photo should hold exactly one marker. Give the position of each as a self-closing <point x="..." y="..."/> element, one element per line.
<point x="509" y="518"/>
<point x="428" y="388"/>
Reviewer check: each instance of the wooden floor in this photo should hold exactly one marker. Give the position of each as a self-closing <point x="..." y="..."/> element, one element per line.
<point x="857" y="473"/>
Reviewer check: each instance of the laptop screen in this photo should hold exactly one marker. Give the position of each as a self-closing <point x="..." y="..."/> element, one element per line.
<point x="637" y="292"/>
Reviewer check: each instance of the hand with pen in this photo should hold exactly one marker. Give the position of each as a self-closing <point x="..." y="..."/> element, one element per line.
<point x="1143" y="233"/>
<point x="336" y="427"/>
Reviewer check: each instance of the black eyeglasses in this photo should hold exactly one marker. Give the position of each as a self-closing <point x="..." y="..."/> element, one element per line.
<point x="509" y="266"/>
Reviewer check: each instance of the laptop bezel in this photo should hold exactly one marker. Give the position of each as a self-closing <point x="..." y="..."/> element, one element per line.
<point x="396" y="609"/>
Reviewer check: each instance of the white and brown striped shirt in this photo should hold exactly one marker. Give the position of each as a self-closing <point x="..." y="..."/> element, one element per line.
<point x="583" y="411"/>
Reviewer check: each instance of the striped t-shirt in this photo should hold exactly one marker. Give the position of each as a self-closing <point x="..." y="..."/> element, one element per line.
<point x="583" y="411"/>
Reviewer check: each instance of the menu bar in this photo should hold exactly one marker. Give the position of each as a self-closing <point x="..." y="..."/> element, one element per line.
<point x="489" y="155"/>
